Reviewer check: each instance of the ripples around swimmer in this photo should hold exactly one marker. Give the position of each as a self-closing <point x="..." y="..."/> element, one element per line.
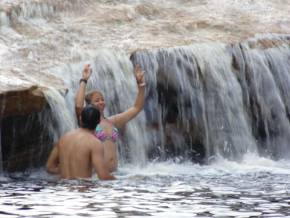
<point x="257" y="187"/>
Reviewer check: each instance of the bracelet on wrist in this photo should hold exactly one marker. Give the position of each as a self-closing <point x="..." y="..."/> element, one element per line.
<point x="83" y="80"/>
<point x="141" y="84"/>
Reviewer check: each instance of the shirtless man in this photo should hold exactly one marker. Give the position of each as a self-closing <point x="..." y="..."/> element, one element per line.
<point x="78" y="152"/>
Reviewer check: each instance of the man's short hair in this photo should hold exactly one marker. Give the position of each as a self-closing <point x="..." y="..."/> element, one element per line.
<point x="90" y="117"/>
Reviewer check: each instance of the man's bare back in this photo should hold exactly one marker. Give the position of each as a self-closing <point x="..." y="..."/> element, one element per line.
<point x="76" y="155"/>
<point x="76" y="160"/>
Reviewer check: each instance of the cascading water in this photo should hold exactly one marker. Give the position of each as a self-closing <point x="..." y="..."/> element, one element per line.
<point x="266" y="73"/>
<point x="199" y="105"/>
<point x="113" y="76"/>
<point x="61" y="113"/>
<point x="196" y="89"/>
<point x="19" y="10"/>
<point x="234" y="111"/>
<point x="1" y="158"/>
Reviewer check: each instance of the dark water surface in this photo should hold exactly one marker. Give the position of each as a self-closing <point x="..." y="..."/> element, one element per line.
<point x="224" y="189"/>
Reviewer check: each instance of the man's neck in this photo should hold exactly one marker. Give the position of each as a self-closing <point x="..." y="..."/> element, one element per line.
<point x="87" y="130"/>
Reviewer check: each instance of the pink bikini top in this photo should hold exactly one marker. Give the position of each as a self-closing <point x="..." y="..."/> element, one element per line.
<point x="102" y="135"/>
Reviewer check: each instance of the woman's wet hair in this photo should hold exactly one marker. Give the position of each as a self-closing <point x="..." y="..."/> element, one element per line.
<point x="88" y="97"/>
<point x="90" y="117"/>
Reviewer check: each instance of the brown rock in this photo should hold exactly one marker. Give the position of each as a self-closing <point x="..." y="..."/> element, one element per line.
<point x="21" y="96"/>
<point x="25" y="141"/>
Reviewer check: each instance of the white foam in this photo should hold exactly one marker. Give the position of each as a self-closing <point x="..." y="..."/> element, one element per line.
<point x="250" y="164"/>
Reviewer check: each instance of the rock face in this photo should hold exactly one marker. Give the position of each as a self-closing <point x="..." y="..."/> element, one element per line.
<point x="18" y="96"/>
<point x="220" y="100"/>
<point x="24" y="139"/>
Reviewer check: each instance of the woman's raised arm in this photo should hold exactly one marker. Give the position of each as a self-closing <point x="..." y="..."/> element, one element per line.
<point x="80" y="96"/>
<point x="119" y="120"/>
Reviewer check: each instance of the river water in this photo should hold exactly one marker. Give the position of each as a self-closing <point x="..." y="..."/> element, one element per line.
<point x="256" y="187"/>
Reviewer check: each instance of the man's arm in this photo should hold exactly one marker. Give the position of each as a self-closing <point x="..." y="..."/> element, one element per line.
<point x="52" y="164"/>
<point x="80" y="96"/>
<point x="121" y="119"/>
<point x="98" y="162"/>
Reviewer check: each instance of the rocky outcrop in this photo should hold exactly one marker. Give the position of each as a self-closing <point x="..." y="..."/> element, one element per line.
<point x="25" y="141"/>
<point x="20" y="95"/>
<point x="218" y="99"/>
<point x="11" y="11"/>
<point x="21" y="101"/>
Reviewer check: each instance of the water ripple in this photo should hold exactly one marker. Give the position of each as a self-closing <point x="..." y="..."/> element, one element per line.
<point x="250" y="194"/>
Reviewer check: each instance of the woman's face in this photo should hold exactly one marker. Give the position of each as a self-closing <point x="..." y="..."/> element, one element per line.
<point x="98" y="100"/>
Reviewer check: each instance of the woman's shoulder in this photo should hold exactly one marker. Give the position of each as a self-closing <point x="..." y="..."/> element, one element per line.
<point x="111" y="120"/>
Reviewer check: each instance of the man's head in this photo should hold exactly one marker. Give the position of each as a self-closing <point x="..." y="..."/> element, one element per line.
<point x="90" y="117"/>
<point x="96" y="98"/>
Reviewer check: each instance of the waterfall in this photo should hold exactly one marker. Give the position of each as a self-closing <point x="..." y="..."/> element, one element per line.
<point x="4" y="19"/>
<point x="267" y="73"/>
<point x="193" y="88"/>
<point x="1" y="158"/>
<point x="113" y="76"/>
<point x="16" y="11"/>
<point x="61" y="114"/>
<point x="203" y="101"/>
<point x="230" y="100"/>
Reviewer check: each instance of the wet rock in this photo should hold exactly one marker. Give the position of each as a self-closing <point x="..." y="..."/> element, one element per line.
<point x="20" y="95"/>
<point x="269" y="43"/>
<point x="181" y="134"/>
<point x="25" y="140"/>
<point x="147" y="10"/>
<point x="185" y="104"/>
<point x="11" y="11"/>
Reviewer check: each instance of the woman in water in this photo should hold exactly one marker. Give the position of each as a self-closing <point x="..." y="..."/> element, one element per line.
<point x="107" y="129"/>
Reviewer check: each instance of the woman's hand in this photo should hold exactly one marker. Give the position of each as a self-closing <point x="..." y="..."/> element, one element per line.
<point x="120" y="120"/>
<point x="87" y="71"/>
<point x="139" y="75"/>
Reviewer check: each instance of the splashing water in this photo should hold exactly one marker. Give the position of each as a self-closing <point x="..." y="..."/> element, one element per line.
<point x="254" y="187"/>
<point x="64" y="117"/>
<point x="1" y="162"/>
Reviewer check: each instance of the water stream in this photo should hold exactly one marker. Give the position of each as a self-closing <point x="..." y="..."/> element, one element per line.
<point x="1" y="158"/>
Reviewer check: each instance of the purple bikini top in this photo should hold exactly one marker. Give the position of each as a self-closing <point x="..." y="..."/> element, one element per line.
<point x="101" y="134"/>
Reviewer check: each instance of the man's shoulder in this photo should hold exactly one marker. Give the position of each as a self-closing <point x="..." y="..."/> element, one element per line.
<point x="80" y="134"/>
<point x="94" y="140"/>
<point x="86" y="137"/>
<point x="72" y="137"/>
<point x="94" y="143"/>
<point x="69" y="134"/>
